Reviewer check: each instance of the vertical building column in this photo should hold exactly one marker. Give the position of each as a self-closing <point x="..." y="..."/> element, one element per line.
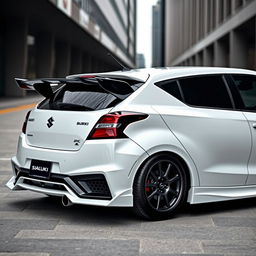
<point x="16" y="49"/>
<point x="199" y="59"/>
<point x="219" y="54"/>
<point x="62" y="59"/>
<point x="238" y="49"/>
<point x="45" y="47"/>
<point x="186" y="25"/>
<point x="207" y="57"/>
<point x="225" y="3"/>
<point x="76" y="61"/>
<point x="217" y="13"/>
<point x="233" y="6"/>
<point x="197" y="25"/>
<point x="205" y="16"/>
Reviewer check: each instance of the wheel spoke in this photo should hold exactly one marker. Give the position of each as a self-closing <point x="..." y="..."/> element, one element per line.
<point x="167" y="170"/>
<point x="173" y="192"/>
<point x="166" y="200"/>
<point x="152" y="194"/>
<point x="160" y="169"/>
<point x="158" y="201"/>
<point x="172" y="180"/>
<point x="153" y="176"/>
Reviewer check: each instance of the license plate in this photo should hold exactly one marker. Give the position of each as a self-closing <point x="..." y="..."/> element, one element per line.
<point x="41" y="169"/>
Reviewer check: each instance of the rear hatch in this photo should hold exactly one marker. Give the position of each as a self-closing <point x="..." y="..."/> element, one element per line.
<point x="64" y="120"/>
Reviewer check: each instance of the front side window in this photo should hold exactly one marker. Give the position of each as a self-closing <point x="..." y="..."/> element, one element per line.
<point x="246" y="85"/>
<point x="206" y="91"/>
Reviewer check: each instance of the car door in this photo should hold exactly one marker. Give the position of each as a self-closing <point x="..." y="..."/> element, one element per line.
<point x="246" y="86"/>
<point x="216" y="136"/>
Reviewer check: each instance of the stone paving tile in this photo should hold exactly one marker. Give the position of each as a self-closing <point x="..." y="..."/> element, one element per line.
<point x="8" y="154"/>
<point x="24" y="215"/>
<point x="5" y="166"/>
<point x="4" y="190"/>
<point x="234" y="221"/>
<point x="171" y="254"/>
<point x="169" y="246"/>
<point x="2" y="194"/>
<point x="74" y="247"/>
<point x="12" y="204"/>
<point x="231" y="247"/>
<point x="4" y="179"/>
<point x="187" y="221"/>
<point x="29" y="195"/>
<point x="6" y="173"/>
<point x="23" y="254"/>
<point x="11" y="227"/>
<point x="65" y="232"/>
<point x="201" y="233"/>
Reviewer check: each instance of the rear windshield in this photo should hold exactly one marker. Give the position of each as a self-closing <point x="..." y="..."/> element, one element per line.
<point x="82" y="97"/>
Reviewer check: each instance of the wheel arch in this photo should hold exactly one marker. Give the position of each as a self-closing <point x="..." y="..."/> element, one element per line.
<point x="185" y="160"/>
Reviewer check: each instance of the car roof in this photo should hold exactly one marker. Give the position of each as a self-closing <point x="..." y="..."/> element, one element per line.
<point x="162" y="73"/>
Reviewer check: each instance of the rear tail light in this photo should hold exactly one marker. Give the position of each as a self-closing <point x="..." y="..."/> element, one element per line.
<point x="24" y="127"/>
<point x="111" y="126"/>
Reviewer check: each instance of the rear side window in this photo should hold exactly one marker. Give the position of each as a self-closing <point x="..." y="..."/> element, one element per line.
<point x="246" y="85"/>
<point x="206" y="91"/>
<point x="170" y="87"/>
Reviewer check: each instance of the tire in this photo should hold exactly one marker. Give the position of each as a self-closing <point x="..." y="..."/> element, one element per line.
<point x="160" y="187"/>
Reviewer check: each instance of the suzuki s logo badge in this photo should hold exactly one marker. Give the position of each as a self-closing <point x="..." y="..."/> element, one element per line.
<point x="50" y="122"/>
<point x="76" y="142"/>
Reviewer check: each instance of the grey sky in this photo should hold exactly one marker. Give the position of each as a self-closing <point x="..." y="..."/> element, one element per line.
<point x="144" y="28"/>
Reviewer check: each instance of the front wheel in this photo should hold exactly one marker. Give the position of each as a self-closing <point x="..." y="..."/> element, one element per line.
<point x="160" y="187"/>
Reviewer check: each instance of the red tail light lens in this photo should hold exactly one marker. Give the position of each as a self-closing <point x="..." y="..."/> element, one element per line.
<point x="24" y="127"/>
<point x="112" y="125"/>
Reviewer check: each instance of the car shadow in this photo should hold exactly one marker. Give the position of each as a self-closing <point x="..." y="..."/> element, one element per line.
<point x="96" y="215"/>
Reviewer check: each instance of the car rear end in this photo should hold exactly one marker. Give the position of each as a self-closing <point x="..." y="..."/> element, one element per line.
<point x="73" y="146"/>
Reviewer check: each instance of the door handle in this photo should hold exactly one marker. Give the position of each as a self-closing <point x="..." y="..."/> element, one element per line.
<point x="254" y="125"/>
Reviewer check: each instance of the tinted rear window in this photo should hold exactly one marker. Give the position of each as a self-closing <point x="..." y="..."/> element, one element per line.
<point x="80" y="97"/>
<point x="206" y="91"/>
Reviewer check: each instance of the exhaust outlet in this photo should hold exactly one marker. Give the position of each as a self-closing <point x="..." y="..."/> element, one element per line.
<point x="66" y="202"/>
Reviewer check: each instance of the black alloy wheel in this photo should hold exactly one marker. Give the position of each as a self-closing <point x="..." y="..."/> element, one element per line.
<point x="160" y="187"/>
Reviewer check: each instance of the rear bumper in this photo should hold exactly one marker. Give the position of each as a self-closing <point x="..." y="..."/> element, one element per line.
<point x="112" y="160"/>
<point x="123" y="199"/>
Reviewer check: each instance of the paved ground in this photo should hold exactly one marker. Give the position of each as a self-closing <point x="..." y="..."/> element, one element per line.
<point x="32" y="224"/>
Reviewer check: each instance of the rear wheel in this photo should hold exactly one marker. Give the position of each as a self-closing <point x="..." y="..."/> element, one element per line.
<point x="160" y="187"/>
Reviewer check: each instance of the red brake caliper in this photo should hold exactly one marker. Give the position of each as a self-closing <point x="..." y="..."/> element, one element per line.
<point x="147" y="189"/>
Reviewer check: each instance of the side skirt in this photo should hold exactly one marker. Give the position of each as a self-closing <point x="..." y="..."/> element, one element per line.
<point x="199" y="195"/>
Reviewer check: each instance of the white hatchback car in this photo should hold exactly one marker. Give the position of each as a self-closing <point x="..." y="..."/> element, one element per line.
<point x="151" y="139"/>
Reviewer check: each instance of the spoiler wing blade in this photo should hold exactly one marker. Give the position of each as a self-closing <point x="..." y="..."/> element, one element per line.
<point x="43" y="86"/>
<point x="118" y="88"/>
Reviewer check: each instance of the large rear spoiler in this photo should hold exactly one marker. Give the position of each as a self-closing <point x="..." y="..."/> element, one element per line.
<point x="45" y="86"/>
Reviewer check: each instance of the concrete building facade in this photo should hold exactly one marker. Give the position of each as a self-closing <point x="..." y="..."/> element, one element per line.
<point x="54" y="38"/>
<point x="210" y="33"/>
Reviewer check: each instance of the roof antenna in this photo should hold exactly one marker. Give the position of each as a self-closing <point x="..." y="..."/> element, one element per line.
<point x="124" y="68"/>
